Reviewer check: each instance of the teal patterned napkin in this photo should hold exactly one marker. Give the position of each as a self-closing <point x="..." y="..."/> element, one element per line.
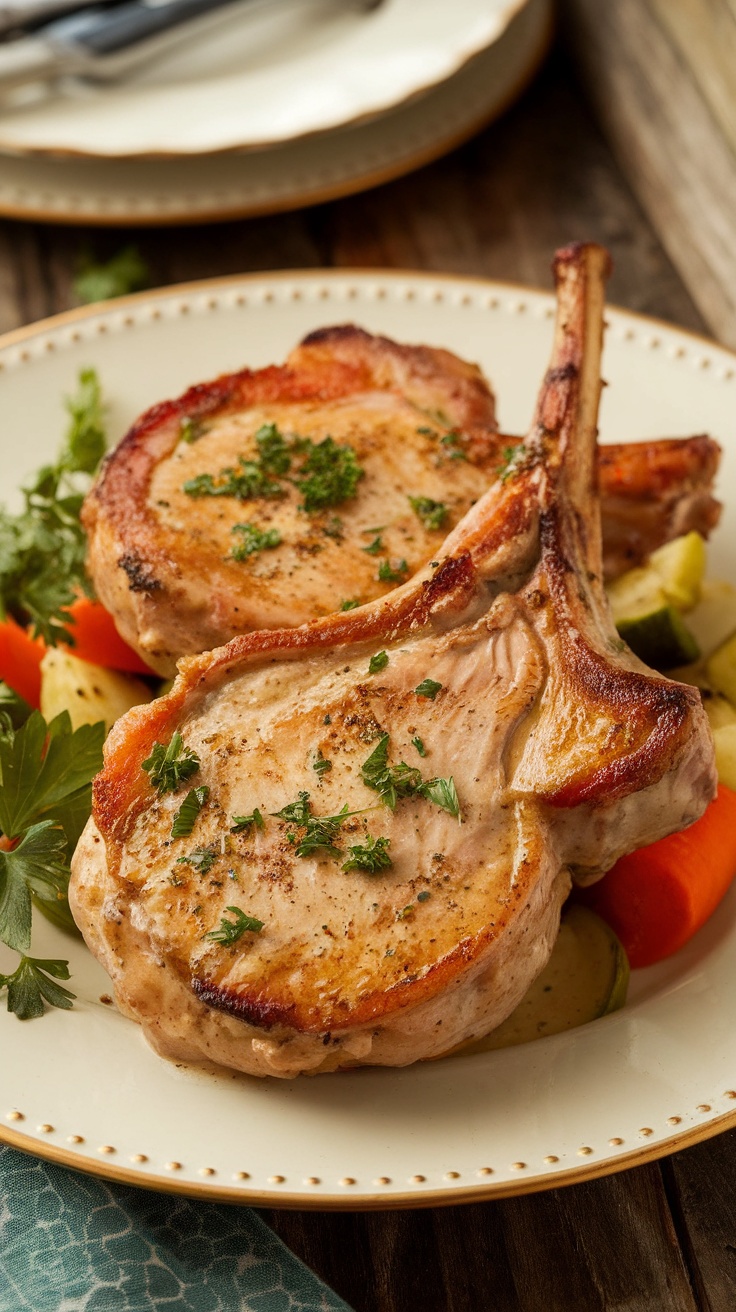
<point x="71" y="1243"/>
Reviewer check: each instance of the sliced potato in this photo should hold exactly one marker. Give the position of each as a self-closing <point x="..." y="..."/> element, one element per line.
<point x="587" y="976"/>
<point x="88" y="692"/>
<point x="680" y="565"/>
<point x="724" y="738"/>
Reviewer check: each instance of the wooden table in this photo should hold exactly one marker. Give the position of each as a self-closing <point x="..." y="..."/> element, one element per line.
<point x="661" y="1238"/>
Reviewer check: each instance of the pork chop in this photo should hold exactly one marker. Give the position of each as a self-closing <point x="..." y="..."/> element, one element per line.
<point x="268" y="499"/>
<point x="393" y="801"/>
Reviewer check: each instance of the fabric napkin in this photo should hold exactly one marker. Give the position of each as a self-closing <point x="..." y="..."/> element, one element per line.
<point x="72" y="1243"/>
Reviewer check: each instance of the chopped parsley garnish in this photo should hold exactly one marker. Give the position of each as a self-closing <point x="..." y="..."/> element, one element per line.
<point x="320" y="832"/>
<point x="242" y="823"/>
<point x="126" y="272"/>
<point x="327" y="719"/>
<point x="387" y="573"/>
<point x="371" y="856"/>
<point x="390" y="782"/>
<point x="405" y="912"/>
<point x="350" y="604"/>
<point x="186" y="816"/>
<point x="321" y="766"/>
<point x="42" y="549"/>
<point x="394" y="781"/>
<point x="453" y="441"/>
<point x="201" y="859"/>
<point x="374" y="547"/>
<point x="45" y="775"/>
<point x="427" y="432"/>
<point x="254" y="539"/>
<point x="432" y="514"/>
<point x="417" y="742"/>
<point x="428" y="688"/>
<point x="191" y="429"/>
<point x="273" y="450"/>
<point x="168" y="767"/>
<point x="329" y="475"/>
<point x="443" y="793"/>
<point x="326" y="473"/>
<point x="424" y="895"/>
<point x="514" y="461"/>
<point x="229" y="931"/>
<point x="377" y="662"/>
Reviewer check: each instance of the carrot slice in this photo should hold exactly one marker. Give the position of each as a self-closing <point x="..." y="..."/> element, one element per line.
<point x="657" y="898"/>
<point x="20" y="661"/>
<point x="97" y="640"/>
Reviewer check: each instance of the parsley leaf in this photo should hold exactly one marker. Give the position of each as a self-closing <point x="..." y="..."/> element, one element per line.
<point x="514" y="461"/>
<point x="390" y="782"/>
<point x="296" y="813"/>
<point x="201" y="859"/>
<point x="248" y="481"/>
<point x="230" y="931"/>
<point x="428" y="688"/>
<point x="14" y="709"/>
<point x="254" y="539"/>
<point x="186" y="816"/>
<point x="191" y="429"/>
<point x="329" y="475"/>
<point x="242" y="823"/>
<point x="168" y="767"/>
<point x="377" y="662"/>
<point x="44" y="768"/>
<point x="321" y="765"/>
<point x="42" y="549"/>
<point x="453" y="441"/>
<point x="126" y="272"/>
<point x="349" y="605"/>
<point x="443" y="793"/>
<point x="35" y="865"/>
<point x="417" y="742"/>
<point x="273" y="450"/>
<point x="371" y="856"/>
<point x="374" y="547"/>
<point x="320" y="831"/>
<point x="29" y="985"/>
<point x="388" y="574"/>
<point x="431" y="513"/>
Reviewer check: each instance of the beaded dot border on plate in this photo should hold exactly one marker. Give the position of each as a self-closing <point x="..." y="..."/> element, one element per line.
<point x="399" y="288"/>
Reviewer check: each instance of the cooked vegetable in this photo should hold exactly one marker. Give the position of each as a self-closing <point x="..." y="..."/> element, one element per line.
<point x="720" y="669"/>
<point x="660" y="638"/>
<point x="657" y="898"/>
<point x="587" y="976"/>
<point x="97" y="640"/>
<point x="680" y="565"/>
<point x="20" y="661"/>
<point x="724" y="738"/>
<point x="88" y="692"/>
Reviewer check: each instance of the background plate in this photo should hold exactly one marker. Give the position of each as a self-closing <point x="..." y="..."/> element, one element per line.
<point x="254" y="78"/>
<point x="203" y="188"/>
<point x="83" y="1088"/>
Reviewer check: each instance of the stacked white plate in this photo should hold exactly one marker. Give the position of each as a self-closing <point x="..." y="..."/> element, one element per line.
<point x="283" y="106"/>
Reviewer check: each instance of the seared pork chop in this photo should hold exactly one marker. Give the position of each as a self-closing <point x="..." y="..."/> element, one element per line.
<point x="268" y="499"/>
<point x="392" y="802"/>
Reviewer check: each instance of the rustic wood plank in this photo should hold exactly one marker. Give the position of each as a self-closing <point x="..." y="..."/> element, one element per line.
<point x="669" y="144"/>
<point x="702" y="1187"/>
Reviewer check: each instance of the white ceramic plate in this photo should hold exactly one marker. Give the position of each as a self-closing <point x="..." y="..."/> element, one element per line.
<point x="320" y="168"/>
<point x="82" y="1087"/>
<point x="257" y="75"/>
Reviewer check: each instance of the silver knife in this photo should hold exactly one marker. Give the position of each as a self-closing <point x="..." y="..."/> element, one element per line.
<point x="106" y="43"/>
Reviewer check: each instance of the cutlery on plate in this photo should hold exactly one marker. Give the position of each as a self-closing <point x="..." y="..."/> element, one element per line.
<point x="106" y="43"/>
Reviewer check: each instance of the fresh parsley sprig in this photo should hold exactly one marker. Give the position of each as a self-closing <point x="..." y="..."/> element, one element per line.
<point x="186" y="817"/>
<point x="392" y="782"/>
<point x="371" y="856"/>
<point x="432" y="514"/>
<point x="42" y="549"/>
<point x="45" y="796"/>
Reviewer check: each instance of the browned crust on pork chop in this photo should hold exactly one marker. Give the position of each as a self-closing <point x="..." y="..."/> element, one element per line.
<point x="564" y="750"/>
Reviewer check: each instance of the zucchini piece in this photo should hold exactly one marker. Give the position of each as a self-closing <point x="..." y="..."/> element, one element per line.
<point x="637" y="592"/>
<point x="714" y="617"/>
<point x="680" y="565"/>
<point x="724" y="738"/>
<point x="721" y="669"/>
<point x="661" y="638"/>
<point x="88" y="692"/>
<point x="587" y="976"/>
